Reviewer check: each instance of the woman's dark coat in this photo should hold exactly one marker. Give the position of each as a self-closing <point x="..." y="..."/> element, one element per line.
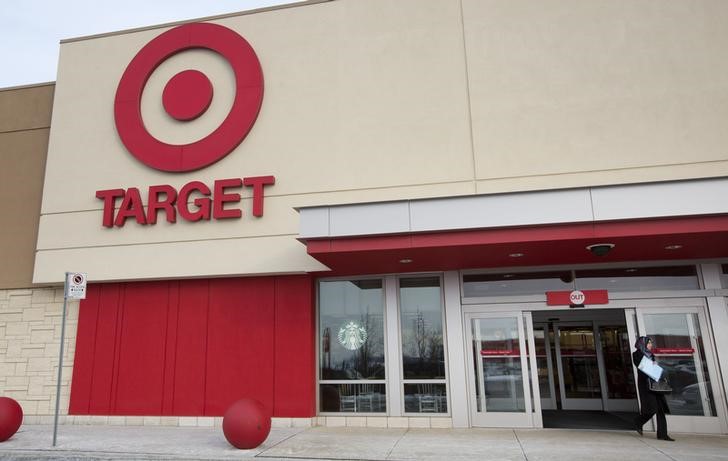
<point x="648" y="400"/>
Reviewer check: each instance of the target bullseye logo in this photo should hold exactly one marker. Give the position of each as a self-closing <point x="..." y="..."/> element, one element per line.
<point x="187" y="96"/>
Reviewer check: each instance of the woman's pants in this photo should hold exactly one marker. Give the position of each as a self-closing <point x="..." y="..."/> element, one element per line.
<point x="648" y="411"/>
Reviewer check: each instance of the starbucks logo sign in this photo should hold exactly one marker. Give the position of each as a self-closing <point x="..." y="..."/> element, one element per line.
<point x="352" y="336"/>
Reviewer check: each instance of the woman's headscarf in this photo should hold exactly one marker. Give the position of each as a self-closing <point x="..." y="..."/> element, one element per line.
<point x="641" y="345"/>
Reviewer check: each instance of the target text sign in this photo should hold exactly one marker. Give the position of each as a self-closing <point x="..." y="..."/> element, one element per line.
<point x="166" y="198"/>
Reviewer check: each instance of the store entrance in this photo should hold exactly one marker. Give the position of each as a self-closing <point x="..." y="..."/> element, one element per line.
<point x="531" y="365"/>
<point x="584" y="367"/>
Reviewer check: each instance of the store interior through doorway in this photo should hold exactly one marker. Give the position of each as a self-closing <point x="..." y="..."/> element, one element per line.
<point x="585" y="372"/>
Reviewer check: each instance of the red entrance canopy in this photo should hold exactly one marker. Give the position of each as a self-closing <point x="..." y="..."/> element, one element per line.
<point x="685" y="238"/>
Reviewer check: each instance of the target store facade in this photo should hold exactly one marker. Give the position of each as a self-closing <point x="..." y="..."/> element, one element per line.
<point x="417" y="213"/>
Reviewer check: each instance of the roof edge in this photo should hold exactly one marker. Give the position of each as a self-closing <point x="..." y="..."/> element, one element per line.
<point x="202" y="19"/>
<point x="26" y="86"/>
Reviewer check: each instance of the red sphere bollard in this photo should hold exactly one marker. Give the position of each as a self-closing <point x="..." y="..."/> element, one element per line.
<point x="246" y="424"/>
<point x="11" y="416"/>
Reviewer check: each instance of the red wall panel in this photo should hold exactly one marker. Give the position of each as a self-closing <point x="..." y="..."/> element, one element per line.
<point x="240" y="343"/>
<point x="140" y="361"/>
<point x="104" y="349"/>
<point x="85" y="346"/>
<point x="294" y="348"/>
<point x="188" y="356"/>
<point x="192" y="347"/>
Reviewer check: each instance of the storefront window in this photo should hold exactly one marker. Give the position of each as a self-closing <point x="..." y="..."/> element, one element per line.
<point x="425" y="398"/>
<point x="423" y="354"/>
<point x="512" y="284"/>
<point x="639" y="279"/>
<point x="351" y="340"/>
<point x="626" y="279"/>
<point x="353" y="398"/>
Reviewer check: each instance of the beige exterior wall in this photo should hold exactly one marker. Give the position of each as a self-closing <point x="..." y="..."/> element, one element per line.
<point x="596" y="92"/>
<point x="378" y="100"/>
<point x="25" y="118"/>
<point x="30" y="337"/>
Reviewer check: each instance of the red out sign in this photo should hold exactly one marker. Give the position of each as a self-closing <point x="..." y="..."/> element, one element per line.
<point x="576" y="297"/>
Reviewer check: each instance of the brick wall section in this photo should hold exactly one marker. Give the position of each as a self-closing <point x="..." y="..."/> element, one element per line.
<point x="30" y="334"/>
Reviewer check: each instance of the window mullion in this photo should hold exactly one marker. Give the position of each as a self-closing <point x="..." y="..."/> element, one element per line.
<point x="393" y="356"/>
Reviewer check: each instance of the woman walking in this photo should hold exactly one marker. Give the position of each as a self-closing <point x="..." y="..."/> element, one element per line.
<point x="651" y="402"/>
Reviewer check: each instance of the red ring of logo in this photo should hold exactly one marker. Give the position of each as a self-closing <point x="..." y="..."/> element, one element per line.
<point x="231" y="132"/>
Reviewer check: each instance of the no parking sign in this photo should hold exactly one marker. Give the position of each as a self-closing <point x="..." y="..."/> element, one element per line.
<point x="75" y="285"/>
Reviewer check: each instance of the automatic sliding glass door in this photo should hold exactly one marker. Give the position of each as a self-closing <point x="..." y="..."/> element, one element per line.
<point x="579" y="367"/>
<point x="683" y="350"/>
<point x="499" y="373"/>
<point x="593" y="363"/>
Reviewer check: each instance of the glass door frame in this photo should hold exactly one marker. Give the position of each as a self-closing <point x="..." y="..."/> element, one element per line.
<point x="531" y="417"/>
<point x="547" y="402"/>
<point x="682" y="423"/>
<point x="616" y="404"/>
<point x="573" y="403"/>
<point x="604" y="402"/>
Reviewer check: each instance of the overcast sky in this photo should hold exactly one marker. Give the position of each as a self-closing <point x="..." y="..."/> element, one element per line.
<point x="30" y="30"/>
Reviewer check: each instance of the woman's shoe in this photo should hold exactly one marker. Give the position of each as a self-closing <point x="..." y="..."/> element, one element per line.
<point x="667" y="438"/>
<point x="638" y="429"/>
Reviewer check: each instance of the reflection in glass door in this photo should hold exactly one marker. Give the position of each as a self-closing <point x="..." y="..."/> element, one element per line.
<point x="681" y="350"/>
<point x="499" y="374"/>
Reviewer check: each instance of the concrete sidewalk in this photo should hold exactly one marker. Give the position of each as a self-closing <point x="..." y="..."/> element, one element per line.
<point x="188" y="443"/>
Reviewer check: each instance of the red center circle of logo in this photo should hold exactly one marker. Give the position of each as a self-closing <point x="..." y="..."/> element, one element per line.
<point x="226" y="137"/>
<point x="187" y="95"/>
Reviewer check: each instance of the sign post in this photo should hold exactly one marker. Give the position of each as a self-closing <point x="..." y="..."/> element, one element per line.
<point x="74" y="287"/>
